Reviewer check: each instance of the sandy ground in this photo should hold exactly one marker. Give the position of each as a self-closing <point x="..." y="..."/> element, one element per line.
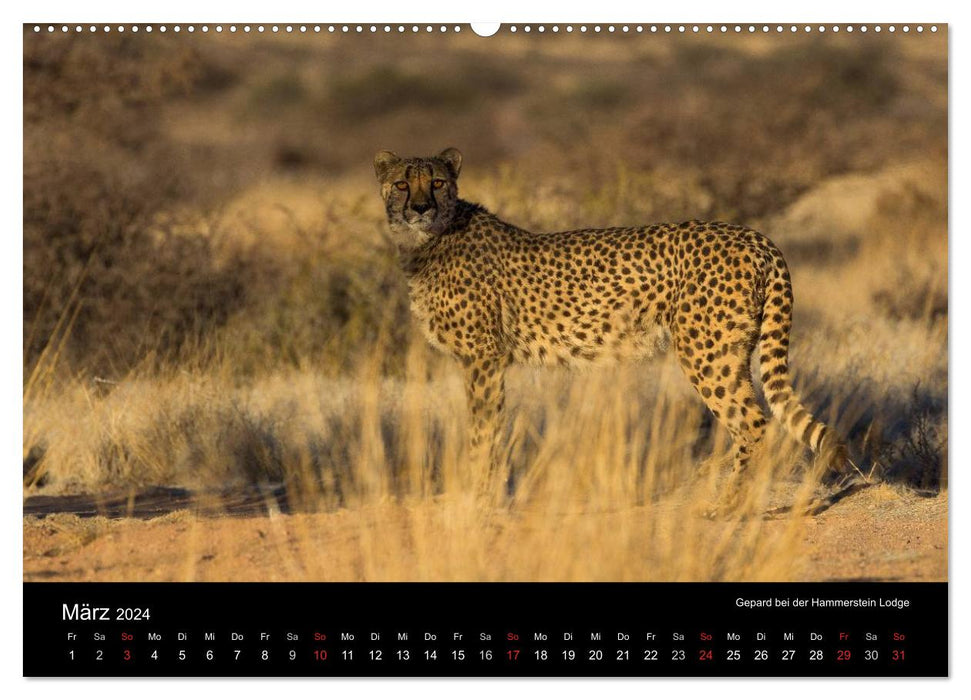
<point x="881" y="533"/>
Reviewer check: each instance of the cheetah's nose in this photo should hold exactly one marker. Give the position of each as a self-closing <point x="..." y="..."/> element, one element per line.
<point x="420" y="208"/>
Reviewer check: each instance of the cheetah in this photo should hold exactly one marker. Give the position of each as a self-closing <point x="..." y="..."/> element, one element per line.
<point x="491" y="294"/>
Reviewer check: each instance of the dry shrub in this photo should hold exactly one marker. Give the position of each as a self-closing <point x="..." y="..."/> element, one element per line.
<point x="907" y="440"/>
<point x="99" y="177"/>
<point x="326" y="309"/>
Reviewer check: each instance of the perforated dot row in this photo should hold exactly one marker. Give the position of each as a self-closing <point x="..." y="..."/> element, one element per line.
<point x="723" y="28"/>
<point x="249" y="28"/>
<point x="427" y="28"/>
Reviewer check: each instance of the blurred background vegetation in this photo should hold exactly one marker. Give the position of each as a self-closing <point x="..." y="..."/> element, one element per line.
<point x="206" y="203"/>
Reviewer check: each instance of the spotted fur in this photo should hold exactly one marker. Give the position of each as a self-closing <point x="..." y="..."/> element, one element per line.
<point x="490" y="294"/>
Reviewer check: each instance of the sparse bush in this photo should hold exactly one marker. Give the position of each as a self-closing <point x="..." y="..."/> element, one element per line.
<point x="904" y="439"/>
<point x="98" y="175"/>
<point x="387" y="89"/>
<point x="914" y="298"/>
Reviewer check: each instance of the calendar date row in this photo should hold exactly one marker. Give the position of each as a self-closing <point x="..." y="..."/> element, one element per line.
<point x="404" y="655"/>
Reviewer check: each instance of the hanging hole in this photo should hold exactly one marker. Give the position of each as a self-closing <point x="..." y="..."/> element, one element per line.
<point x="485" y="28"/>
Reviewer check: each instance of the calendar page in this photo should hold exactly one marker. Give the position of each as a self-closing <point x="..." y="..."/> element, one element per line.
<point x="494" y="350"/>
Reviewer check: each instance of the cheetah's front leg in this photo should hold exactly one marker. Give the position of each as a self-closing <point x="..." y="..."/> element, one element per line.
<point x="486" y="395"/>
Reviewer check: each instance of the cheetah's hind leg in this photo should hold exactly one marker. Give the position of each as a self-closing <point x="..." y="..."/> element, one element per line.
<point x="717" y="362"/>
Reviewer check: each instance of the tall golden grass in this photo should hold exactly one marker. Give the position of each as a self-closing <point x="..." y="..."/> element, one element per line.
<point x="608" y="488"/>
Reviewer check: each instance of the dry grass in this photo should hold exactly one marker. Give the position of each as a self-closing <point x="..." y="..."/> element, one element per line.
<point x="247" y="324"/>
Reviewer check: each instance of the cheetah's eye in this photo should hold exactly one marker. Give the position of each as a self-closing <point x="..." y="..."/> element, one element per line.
<point x="401" y="185"/>
<point x="438" y="184"/>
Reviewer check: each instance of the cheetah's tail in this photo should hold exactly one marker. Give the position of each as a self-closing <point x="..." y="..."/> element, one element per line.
<point x="828" y="447"/>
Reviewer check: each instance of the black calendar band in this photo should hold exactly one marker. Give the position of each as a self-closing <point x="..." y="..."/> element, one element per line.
<point x="474" y="629"/>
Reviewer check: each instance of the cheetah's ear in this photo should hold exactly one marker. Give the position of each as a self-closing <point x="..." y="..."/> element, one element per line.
<point x="383" y="162"/>
<point x="453" y="160"/>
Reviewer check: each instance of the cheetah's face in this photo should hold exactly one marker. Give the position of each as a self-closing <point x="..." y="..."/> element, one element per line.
<point x="419" y="194"/>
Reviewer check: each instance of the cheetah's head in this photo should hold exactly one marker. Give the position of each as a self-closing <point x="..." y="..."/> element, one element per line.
<point x="419" y="194"/>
